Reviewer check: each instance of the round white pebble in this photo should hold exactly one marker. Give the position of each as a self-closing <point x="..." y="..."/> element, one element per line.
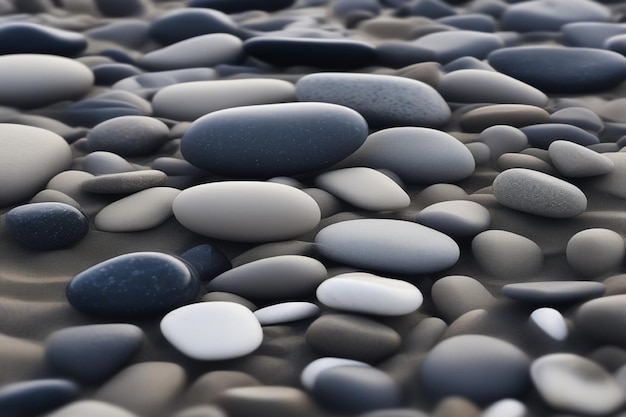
<point x="286" y="312"/>
<point x="313" y="369"/>
<point x="551" y="322"/>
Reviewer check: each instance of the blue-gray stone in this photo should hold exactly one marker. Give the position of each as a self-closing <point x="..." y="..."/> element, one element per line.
<point x="32" y="38"/>
<point x="542" y="135"/>
<point x="553" y="292"/>
<point x="237" y="6"/>
<point x="108" y="74"/>
<point x="128" y="136"/>
<point x="46" y="226"/>
<point x="134" y="284"/>
<point x="450" y="45"/>
<point x="471" y="21"/>
<point x="30" y="398"/>
<point x="590" y="34"/>
<point x="207" y="260"/>
<point x="120" y="8"/>
<point x="551" y="15"/>
<point x="398" y="54"/>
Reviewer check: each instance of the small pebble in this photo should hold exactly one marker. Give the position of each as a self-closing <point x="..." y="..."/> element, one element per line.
<point x="455" y="295"/>
<point x="456" y="218"/>
<point x="553" y="292"/>
<point x="286" y="312"/>
<point x="575" y="161"/>
<point x="506" y="254"/>
<point x="593" y="252"/>
<point x="551" y="322"/>
<point x="128" y="136"/>
<point x="36" y="396"/>
<point x="313" y="369"/>
<point x="124" y="182"/>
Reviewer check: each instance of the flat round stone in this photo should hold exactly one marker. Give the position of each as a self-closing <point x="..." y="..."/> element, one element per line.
<point x="553" y="292"/>
<point x="551" y="322"/>
<point x="503" y="253"/>
<point x="215" y="330"/>
<point x="516" y="115"/>
<point x="269" y="400"/>
<point x="455" y="295"/>
<point x="449" y="45"/>
<point x="32" y="38"/>
<point x="542" y="135"/>
<point x="103" y="162"/>
<point x="552" y="15"/>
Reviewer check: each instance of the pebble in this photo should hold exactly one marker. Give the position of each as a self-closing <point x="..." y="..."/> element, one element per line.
<point x="91" y="408"/>
<point x="551" y="322"/>
<point x="553" y="292"/>
<point x="148" y="84"/>
<point x="286" y="312"/>
<point x="590" y="34"/>
<point x="609" y="311"/>
<point x="267" y="211"/>
<point x="140" y="211"/>
<point x="133" y="284"/>
<point x="33" y="155"/>
<point x="477" y="22"/>
<point x="572" y="383"/>
<point x="596" y="251"/>
<point x="352" y="337"/>
<point x="128" y="136"/>
<point x="455" y="295"/>
<point x="184" y="23"/>
<point x="109" y="74"/>
<point x="208" y="386"/>
<point x="46" y="226"/>
<point x="189" y="101"/>
<point x="207" y="261"/>
<point x="398" y="54"/>
<point x="506" y="254"/>
<point x="53" y="196"/>
<point x="580" y="117"/>
<point x="516" y="115"/>
<point x="327" y="134"/>
<point x="416" y="154"/>
<point x="369" y="294"/>
<point x="312" y="370"/>
<point x="36" y="396"/>
<point x="102" y="107"/>
<point x="453" y="44"/>
<point x="103" y="162"/>
<point x="577" y="161"/>
<point x="542" y="135"/>
<point x="503" y="139"/>
<point x="561" y="70"/>
<point x="384" y="100"/>
<point x="124" y="182"/>
<point x="552" y="15"/>
<point x="394" y="412"/>
<point x="508" y="407"/>
<point x="93" y="353"/>
<point x="275" y="278"/>
<point x="132" y="33"/>
<point x="238" y="6"/>
<point x="234" y="330"/>
<point x="612" y="183"/>
<point x="480" y="368"/>
<point x="538" y="193"/>
<point x="267" y="401"/>
<point x="520" y="160"/>
<point x="388" y="245"/>
<point x="456" y="218"/>
<point x="32" y="38"/>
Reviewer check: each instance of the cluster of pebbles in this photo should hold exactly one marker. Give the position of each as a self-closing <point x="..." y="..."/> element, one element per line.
<point x="373" y="208"/>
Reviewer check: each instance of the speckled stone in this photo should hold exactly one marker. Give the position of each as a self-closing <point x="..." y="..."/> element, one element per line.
<point x="124" y="182"/>
<point x="128" y="136"/>
<point x="573" y="160"/>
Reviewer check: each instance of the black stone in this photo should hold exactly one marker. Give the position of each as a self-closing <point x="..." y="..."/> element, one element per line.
<point x="109" y="74"/>
<point x="120" y="8"/>
<point x="34" y="397"/>
<point x="237" y="6"/>
<point x="207" y="261"/>
<point x="31" y="38"/>
<point x="542" y="135"/>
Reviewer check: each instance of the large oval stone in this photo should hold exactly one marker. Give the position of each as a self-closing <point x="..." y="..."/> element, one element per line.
<point x="273" y="139"/>
<point x="265" y="211"/>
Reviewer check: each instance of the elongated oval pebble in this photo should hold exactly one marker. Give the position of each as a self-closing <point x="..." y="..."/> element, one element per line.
<point x="551" y="322"/>
<point x="286" y="312"/>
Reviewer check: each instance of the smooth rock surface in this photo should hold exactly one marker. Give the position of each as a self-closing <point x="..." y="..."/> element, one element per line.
<point x="506" y="254"/>
<point x="450" y="45"/>
<point x="313" y="369"/>
<point x="516" y="115"/>
<point x="91" y="408"/>
<point x="552" y="15"/>
<point x="573" y="160"/>
<point x="456" y="218"/>
<point x="550" y="321"/>
<point x="607" y="310"/>
<point x="553" y="292"/>
<point x="596" y="251"/>
<point x="128" y="136"/>
<point x="286" y="312"/>
<point x="124" y="182"/>
<point x="36" y="396"/>
<point x="455" y="295"/>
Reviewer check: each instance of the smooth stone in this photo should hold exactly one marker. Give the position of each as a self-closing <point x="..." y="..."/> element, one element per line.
<point x="388" y="245"/>
<point x="268" y="250"/>
<point x="352" y="337"/>
<point x="456" y="406"/>
<point x="364" y="188"/>
<point x="516" y="115"/>
<point x="176" y="167"/>
<point x="46" y="226"/>
<point x="453" y="44"/>
<point x="208" y="386"/>
<point x="267" y="401"/>
<point x="602" y="318"/>
<point x="503" y="139"/>
<point x="237" y="6"/>
<point x="508" y="407"/>
<point x="92" y="408"/>
<point x="326" y="133"/>
<point x="575" y="161"/>
<point x="329" y="204"/>
<point x="53" y="196"/>
<point x="478" y="86"/>
<point x="438" y="193"/>
<point x="220" y="48"/>
<point x="94" y="110"/>
<point x="109" y="74"/>
<point x="455" y="295"/>
<point x="506" y="254"/>
<point x="313" y="369"/>
<point x="542" y="135"/>
<point x="432" y="9"/>
<point x="398" y="54"/>
<point x="369" y="294"/>
<point x="128" y="136"/>
<point x="538" y="193"/>
<point x="286" y="312"/>
<point x="287" y="51"/>
<point x="521" y="160"/>
<point x="207" y="260"/>
<point x="140" y="211"/>
<point x="590" y="34"/>
<point x="33" y="155"/>
<point x="233" y="329"/>
<point x="407" y="102"/>
<point x="124" y="182"/>
<point x="93" y="353"/>
<point x="32" y="38"/>
<point x="580" y="117"/>
<point x="615" y="284"/>
<point x="596" y="251"/>
<point x="229" y="297"/>
<point x="572" y="383"/>
<point x="356" y="389"/>
<point x="103" y="162"/>
<point x="551" y="322"/>
<point x="480" y="368"/>
<point x="613" y="182"/>
<point x="416" y="154"/>
<point x="480" y="152"/>
<point x="132" y="33"/>
<point x="394" y="412"/>
<point x="553" y="292"/>
<point x="552" y="15"/>
<point x="616" y="43"/>
<point x="457" y="218"/>
<point x="267" y="211"/>
<point x="470" y="21"/>
<point x="54" y="78"/>
<point x="280" y="277"/>
<point x="561" y="70"/>
<point x="189" y="101"/>
<point x="36" y="396"/>
<point x="150" y="83"/>
<point x="125" y="285"/>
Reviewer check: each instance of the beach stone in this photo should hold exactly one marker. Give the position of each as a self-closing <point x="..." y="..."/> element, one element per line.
<point x="551" y="15"/>
<point x="53" y="196"/>
<point x="132" y="33"/>
<point x="457" y="218"/>
<point x="506" y="254"/>
<point x="516" y="115"/>
<point x="149" y="83"/>
<point x="437" y="193"/>
<point x="124" y="182"/>
<point x="453" y="44"/>
<point x="356" y="389"/>
<point x="266" y="401"/>
<point x="394" y="412"/>
<point x="103" y="162"/>
<point x="120" y="8"/>
<point x="613" y="182"/>
<point x="553" y="292"/>
<point x="55" y="78"/>
<point x="561" y="70"/>
<point x="478" y="86"/>
<point x="221" y="48"/>
<point x="128" y="136"/>
<point x="313" y="369"/>
<point x="538" y="193"/>
<point x="384" y="100"/>
<point x="140" y="211"/>
<point x="184" y="23"/>
<point x="352" y="337"/>
<point x="46" y="226"/>
<point x="208" y="386"/>
<point x="521" y="160"/>
<point x="616" y="43"/>
<point x="286" y="312"/>
<point x="364" y="188"/>
<point x="455" y="295"/>
<point x="398" y="54"/>
<point x="93" y="353"/>
<point x="507" y="407"/>
<point x="125" y="285"/>
<point x="456" y="406"/>
<point x="503" y="139"/>
<point x="609" y="311"/>
<point x="33" y="155"/>
<point x="32" y="38"/>
<point x="230" y="297"/>
<point x="97" y="109"/>
<point x="369" y="294"/>
<point x="572" y="383"/>
<point x="234" y="330"/>
<point x="580" y="117"/>
<point x="92" y="408"/>
<point x="551" y="322"/>
<point x="416" y="154"/>
<point x="542" y="135"/>
<point x="329" y="204"/>
<point x="480" y="368"/>
<point x="189" y="101"/>
<point x="237" y="6"/>
<point x="388" y="245"/>
<point x="575" y="161"/>
<point x="470" y="21"/>
<point x="36" y="396"/>
<point x="207" y="260"/>
<point x="326" y="134"/>
<point x="283" y="51"/>
<point x="200" y="411"/>
<point x="280" y="277"/>
<point x="109" y="74"/>
<point x="596" y="251"/>
<point x="591" y="34"/>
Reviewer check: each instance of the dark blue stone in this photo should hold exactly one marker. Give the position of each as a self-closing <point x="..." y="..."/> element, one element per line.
<point x="34" y="397"/>
<point x="561" y="70"/>
<point x="108" y="74"/>
<point x="31" y="38"/>
<point x="134" y="284"/>
<point x="207" y="261"/>
<point x="315" y="52"/>
<point x="397" y="54"/>
<point x="47" y="226"/>
<point x="432" y="9"/>
<point x="93" y="111"/>
<point x="118" y="55"/>
<point x="237" y="6"/>
<point x="343" y="8"/>
<point x="542" y="135"/>
<point x="590" y="34"/>
<point x="120" y="8"/>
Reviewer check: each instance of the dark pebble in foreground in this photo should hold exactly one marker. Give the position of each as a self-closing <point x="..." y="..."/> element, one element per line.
<point x="207" y="260"/>
<point x="47" y="226"/>
<point x="29" y="398"/>
<point x="133" y="284"/>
